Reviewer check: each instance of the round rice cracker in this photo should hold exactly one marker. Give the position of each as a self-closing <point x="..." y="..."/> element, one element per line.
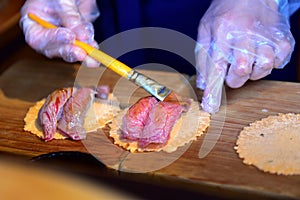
<point x="186" y="129"/>
<point x="272" y="144"/>
<point x="100" y="113"/>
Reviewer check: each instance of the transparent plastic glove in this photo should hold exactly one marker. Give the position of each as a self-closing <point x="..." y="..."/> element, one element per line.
<point x="74" y="19"/>
<point x="237" y="41"/>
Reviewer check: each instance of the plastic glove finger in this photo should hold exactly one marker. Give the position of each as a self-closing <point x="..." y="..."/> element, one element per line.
<point x="68" y="12"/>
<point x="260" y="73"/>
<point x="201" y="51"/>
<point x="216" y="66"/>
<point x="201" y="74"/>
<point x="264" y="62"/>
<point x="212" y="95"/>
<point x="241" y="65"/>
<point x="68" y="52"/>
<point x="89" y="10"/>
<point x="283" y="52"/>
<point x="94" y="44"/>
<point x="84" y="32"/>
<point x="70" y="16"/>
<point x="216" y="72"/>
<point x="71" y="53"/>
<point x="89" y="61"/>
<point x="243" y="58"/>
<point x="235" y="81"/>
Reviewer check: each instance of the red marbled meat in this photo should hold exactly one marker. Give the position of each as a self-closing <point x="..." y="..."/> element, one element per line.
<point x="159" y="124"/>
<point x="74" y="112"/>
<point x="150" y="121"/>
<point x="56" y="106"/>
<point x="52" y="109"/>
<point x="135" y="119"/>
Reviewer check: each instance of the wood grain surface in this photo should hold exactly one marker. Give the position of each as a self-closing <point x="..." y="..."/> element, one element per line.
<point x="209" y="164"/>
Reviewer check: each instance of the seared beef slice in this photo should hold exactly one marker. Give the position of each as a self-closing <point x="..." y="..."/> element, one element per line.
<point x="150" y="121"/>
<point x="74" y="112"/>
<point x="136" y="117"/>
<point x="159" y="124"/>
<point x="52" y="109"/>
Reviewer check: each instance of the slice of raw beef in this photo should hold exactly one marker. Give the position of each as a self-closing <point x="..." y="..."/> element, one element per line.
<point x="150" y="121"/>
<point x="52" y="110"/>
<point x="74" y="112"/>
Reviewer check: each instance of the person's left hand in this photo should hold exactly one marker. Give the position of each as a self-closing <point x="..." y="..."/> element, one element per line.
<point x="74" y="20"/>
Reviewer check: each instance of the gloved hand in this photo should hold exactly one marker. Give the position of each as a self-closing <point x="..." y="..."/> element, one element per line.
<point x="237" y="41"/>
<point x="74" y="17"/>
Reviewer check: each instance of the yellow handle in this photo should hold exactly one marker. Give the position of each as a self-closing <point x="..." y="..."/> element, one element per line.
<point x="108" y="61"/>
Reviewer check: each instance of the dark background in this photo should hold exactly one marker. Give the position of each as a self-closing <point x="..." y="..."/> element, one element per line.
<point x="183" y="16"/>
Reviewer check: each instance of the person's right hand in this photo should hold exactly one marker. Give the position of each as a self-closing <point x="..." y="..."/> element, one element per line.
<point x="239" y="41"/>
<point x="74" y="21"/>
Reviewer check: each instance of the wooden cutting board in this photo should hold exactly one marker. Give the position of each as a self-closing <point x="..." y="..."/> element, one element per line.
<point x="209" y="164"/>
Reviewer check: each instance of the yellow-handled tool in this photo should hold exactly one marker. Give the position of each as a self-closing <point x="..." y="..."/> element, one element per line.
<point x="154" y="88"/>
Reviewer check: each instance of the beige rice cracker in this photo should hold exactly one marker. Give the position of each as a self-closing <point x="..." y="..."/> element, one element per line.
<point x="187" y="128"/>
<point x="272" y="144"/>
<point x="100" y="113"/>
